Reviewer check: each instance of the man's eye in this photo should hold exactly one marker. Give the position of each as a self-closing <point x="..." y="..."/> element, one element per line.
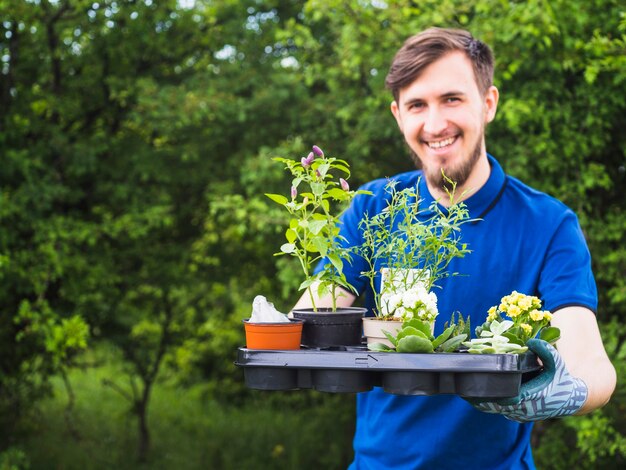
<point x="416" y="105"/>
<point x="453" y="99"/>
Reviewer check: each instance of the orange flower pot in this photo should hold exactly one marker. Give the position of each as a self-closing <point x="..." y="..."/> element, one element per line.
<point x="273" y="335"/>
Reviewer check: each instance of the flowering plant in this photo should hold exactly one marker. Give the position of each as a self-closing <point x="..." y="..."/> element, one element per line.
<point x="499" y="335"/>
<point x="313" y="231"/>
<point x="403" y="298"/>
<point x="415" y="253"/>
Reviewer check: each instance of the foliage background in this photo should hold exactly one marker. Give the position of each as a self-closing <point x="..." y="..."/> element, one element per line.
<point x="135" y="145"/>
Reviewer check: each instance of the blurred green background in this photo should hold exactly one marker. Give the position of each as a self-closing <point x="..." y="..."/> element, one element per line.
<point x="135" y="148"/>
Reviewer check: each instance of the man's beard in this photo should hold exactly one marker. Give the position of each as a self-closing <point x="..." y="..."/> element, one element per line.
<point x="453" y="176"/>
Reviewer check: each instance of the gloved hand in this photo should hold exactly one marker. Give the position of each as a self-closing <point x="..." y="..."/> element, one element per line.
<point x="554" y="392"/>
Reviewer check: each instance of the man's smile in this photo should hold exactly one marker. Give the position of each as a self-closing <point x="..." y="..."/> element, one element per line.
<point x="439" y="144"/>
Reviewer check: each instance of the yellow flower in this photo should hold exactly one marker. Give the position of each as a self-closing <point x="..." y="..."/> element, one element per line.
<point x="513" y="311"/>
<point x="536" y="315"/>
<point x="547" y="315"/>
<point x="525" y="303"/>
<point x="536" y="302"/>
<point x="503" y="307"/>
<point x="492" y="314"/>
<point x="527" y="328"/>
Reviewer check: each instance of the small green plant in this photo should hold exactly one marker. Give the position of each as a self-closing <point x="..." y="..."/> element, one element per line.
<point x="313" y="231"/>
<point x="499" y="335"/>
<point x="415" y="336"/>
<point x="411" y="254"/>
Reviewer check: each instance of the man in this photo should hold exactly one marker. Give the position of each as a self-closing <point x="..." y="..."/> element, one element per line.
<point x="524" y="240"/>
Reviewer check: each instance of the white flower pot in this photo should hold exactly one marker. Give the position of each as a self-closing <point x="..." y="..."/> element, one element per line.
<point x="373" y="329"/>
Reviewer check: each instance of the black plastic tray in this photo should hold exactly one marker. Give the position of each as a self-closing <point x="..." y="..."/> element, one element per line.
<point x="359" y="370"/>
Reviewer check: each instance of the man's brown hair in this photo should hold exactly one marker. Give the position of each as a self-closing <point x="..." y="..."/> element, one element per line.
<point x="422" y="49"/>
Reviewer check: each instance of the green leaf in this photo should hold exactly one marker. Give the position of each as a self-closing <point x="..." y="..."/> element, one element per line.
<point x="336" y="262"/>
<point x="291" y="235"/>
<point x="550" y="334"/>
<point x="320" y="245"/>
<point x="317" y="188"/>
<point x="414" y="344"/>
<point x="323" y="168"/>
<point x="497" y="328"/>
<point x="453" y="343"/>
<point x="337" y="194"/>
<point x="316" y="226"/>
<point x="443" y="337"/>
<point x="279" y="198"/>
<point x="410" y="331"/>
<point x="343" y="168"/>
<point x="379" y="347"/>
<point x="421" y="325"/>
<point x="306" y="283"/>
<point x="513" y="338"/>
<point x="485" y="350"/>
<point x="323" y="289"/>
<point x="390" y="337"/>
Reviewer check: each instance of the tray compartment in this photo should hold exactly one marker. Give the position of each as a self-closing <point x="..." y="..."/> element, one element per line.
<point x="271" y="378"/>
<point x="487" y="384"/>
<point x="411" y="383"/>
<point x="341" y="381"/>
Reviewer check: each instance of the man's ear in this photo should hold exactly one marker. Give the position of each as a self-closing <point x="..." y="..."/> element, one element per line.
<point x="395" y="110"/>
<point x="491" y="103"/>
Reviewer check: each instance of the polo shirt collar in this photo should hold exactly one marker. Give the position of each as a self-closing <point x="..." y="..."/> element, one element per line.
<point x="480" y="202"/>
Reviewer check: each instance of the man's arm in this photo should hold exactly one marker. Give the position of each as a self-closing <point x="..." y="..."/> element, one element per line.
<point x="584" y="355"/>
<point x="346" y="299"/>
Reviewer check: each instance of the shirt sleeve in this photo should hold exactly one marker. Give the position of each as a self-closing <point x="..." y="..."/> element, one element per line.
<point x="566" y="278"/>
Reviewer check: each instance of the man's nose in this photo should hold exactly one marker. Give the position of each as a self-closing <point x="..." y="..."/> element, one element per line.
<point x="435" y="122"/>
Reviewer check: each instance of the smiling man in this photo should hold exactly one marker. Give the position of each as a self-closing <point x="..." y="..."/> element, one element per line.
<point x="443" y="116"/>
<point x="521" y="239"/>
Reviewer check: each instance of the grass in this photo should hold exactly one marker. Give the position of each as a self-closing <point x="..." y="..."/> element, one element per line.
<point x="274" y="430"/>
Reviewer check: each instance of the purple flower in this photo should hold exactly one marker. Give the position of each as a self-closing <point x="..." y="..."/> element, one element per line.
<point x="344" y="184"/>
<point x="318" y="151"/>
<point x="294" y="192"/>
<point x="306" y="161"/>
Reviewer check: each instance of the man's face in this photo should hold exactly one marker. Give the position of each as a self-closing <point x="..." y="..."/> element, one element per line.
<point x="442" y="115"/>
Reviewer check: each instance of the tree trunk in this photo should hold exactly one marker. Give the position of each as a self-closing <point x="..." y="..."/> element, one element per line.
<point x="144" y="431"/>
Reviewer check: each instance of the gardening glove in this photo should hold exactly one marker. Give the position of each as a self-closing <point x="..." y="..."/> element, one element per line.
<point x="554" y="392"/>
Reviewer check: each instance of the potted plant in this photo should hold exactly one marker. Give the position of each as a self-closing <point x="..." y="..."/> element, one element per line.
<point x="318" y="186"/>
<point x="406" y="255"/>
<point x="416" y="336"/>
<point x="499" y="335"/>
<point x="268" y="328"/>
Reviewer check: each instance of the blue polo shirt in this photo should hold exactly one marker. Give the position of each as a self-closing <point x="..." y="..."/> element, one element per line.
<point x="524" y="240"/>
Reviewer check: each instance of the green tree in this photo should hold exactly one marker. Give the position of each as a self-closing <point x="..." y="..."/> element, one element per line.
<point x="136" y="140"/>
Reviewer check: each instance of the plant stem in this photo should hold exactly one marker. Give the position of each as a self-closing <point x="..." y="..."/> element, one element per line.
<point x="312" y="298"/>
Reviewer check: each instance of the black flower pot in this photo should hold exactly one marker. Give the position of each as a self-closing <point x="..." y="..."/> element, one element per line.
<point x="326" y="329"/>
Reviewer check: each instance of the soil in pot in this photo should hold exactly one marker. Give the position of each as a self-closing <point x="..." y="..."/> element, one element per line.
<point x="325" y="329"/>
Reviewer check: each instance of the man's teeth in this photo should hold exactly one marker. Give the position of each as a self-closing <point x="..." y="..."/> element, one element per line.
<point x="441" y="143"/>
